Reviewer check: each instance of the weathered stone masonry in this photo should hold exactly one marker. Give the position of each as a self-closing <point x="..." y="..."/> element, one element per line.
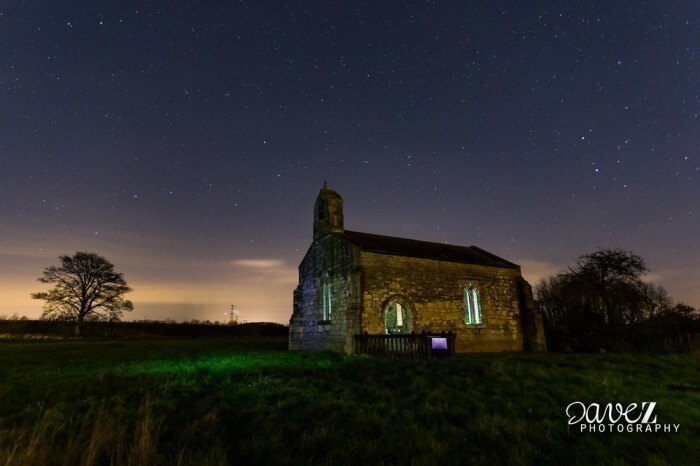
<point x="365" y="274"/>
<point x="433" y="294"/>
<point x="329" y="259"/>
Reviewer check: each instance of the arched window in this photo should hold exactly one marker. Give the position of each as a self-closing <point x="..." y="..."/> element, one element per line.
<point x="326" y="302"/>
<point x="396" y="319"/>
<point x="472" y="306"/>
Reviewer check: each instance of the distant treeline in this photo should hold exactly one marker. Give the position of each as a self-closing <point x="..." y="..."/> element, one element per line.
<point x="59" y="329"/>
<point x="628" y="338"/>
<point x="601" y="303"/>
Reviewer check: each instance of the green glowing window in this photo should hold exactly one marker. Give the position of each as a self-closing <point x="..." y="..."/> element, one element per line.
<point x="326" y="305"/>
<point x="472" y="306"/>
<point x="396" y="320"/>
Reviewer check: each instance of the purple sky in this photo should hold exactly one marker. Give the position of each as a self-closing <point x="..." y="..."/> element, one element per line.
<point x="186" y="141"/>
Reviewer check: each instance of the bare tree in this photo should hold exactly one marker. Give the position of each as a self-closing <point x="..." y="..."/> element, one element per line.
<point x="604" y="286"/>
<point x="683" y="317"/>
<point x="555" y="300"/>
<point x="653" y="301"/>
<point x="86" y="289"/>
<point x="611" y="278"/>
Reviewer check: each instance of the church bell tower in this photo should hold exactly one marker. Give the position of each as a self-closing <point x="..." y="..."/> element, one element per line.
<point x="328" y="213"/>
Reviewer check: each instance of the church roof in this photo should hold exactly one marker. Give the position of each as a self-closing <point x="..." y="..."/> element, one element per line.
<point x="424" y="249"/>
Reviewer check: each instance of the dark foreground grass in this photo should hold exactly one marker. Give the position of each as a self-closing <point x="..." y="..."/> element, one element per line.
<point x="249" y="402"/>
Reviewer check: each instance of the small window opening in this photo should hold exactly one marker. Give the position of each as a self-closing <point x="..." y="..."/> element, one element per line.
<point x="326" y="303"/>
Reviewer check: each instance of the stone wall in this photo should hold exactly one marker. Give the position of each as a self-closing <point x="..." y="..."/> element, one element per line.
<point x="432" y="291"/>
<point x="329" y="258"/>
<point x="532" y="322"/>
<point x="364" y="284"/>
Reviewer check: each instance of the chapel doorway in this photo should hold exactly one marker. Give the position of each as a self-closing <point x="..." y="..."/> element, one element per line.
<point x="397" y="319"/>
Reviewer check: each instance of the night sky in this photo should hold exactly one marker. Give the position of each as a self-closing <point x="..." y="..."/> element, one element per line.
<point x="187" y="141"/>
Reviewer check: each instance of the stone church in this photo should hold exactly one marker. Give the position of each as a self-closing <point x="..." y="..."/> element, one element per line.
<point x="352" y="283"/>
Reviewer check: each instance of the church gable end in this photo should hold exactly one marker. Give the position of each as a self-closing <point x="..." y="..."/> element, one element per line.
<point x="321" y="300"/>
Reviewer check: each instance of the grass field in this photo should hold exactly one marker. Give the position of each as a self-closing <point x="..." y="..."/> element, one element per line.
<point x="248" y="402"/>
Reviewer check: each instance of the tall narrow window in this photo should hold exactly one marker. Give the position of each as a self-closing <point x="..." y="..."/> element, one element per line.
<point x="472" y="305"/>
<point x="326" y="300"/>
<point x="396" y="320"/>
